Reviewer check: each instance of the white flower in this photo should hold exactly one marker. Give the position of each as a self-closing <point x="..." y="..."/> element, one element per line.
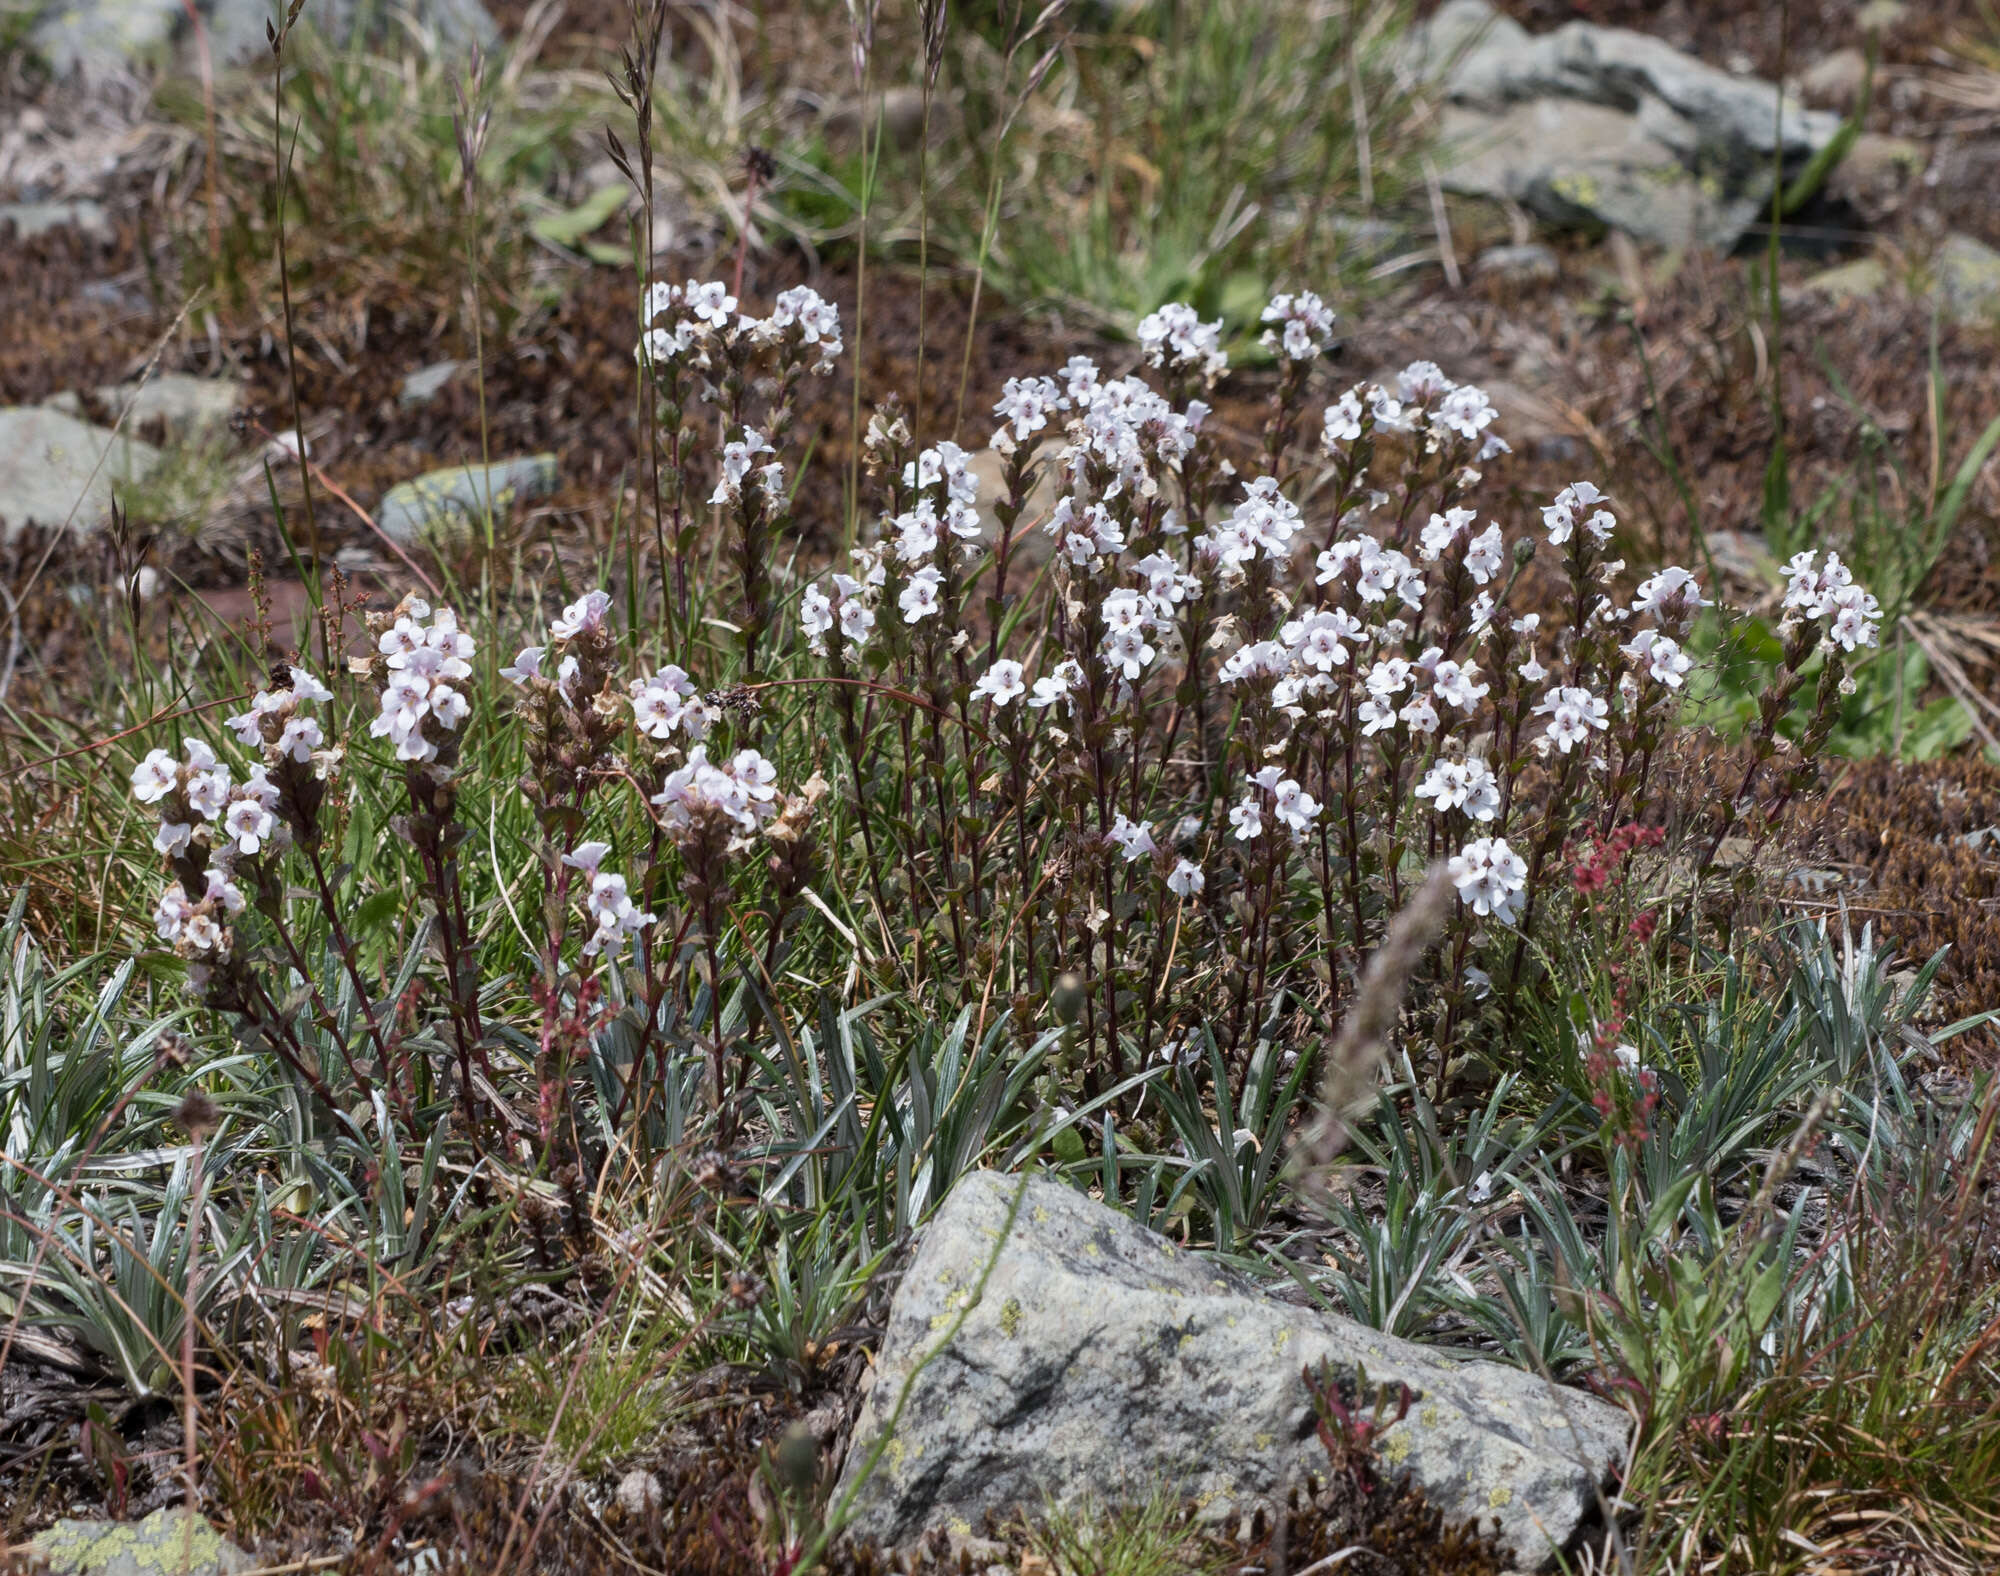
<point x="208" y="791"/>
<point x="1462" y="785"/>
<point x="917" y="533"/>
<point x="815" y="616"/>
<point x="1057" y="684"/>
<point x="919" y="599"/>
<point x="1490" y="876"/>
<point x="1419" y="714"/>
<point x="249" y="824"/>
<point x="1485" y="555"/>
<point x="1295" y="807"/>
<point x="172" y="913"/>
<point x="1343" y="421"/>
<point x="1002" y="682"/>
<point x="154" y="777"/>
<point x="1465" y="411"/>
<point x="1572" y="713"/>
<point x="1248" y="818"/>
<point x="1302" y="325"/>
<point x="1457" y="684"/>
<point x="710" y="303"/>
<point x="1442" y="532"/>
<point x="1664" y="659"/>
<point x="1176" y="337"/>
<point x="1186" y="879"/>
<point x="1672" y="591"/>
<point x="585" y="613"/>
<point x="1134" y="838"/>
<point x="1564" y="515"/>
<point x="586" y="856"/>
<point x="856" y="620"/>
<point x="1026" y="403"/>
<point x="300" y="737"/>
<point x="660" y="704"/>
<point x="173" y="837"/>
<point x="527" y="665"/>
<point x="1856" y="616"/>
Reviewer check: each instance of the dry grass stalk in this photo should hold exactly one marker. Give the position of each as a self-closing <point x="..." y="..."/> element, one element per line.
<point x="1363" y="1039"/>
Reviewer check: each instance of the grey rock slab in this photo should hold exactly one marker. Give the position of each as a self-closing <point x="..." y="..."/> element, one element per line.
<point x="448" y="505"/>
<point x="164" y="1544"/>
<point x="1858" y="280"/>
<point x="426" y="383"/>
<point x="31" y="219"/>
<point x="49" y="461"/>
<point x="1604" y="124"/>
<point x="1968" y="277"/>
<point x="1102" y="1361"/>
<point x="183" y="405"/>
<point x="1531" y="263"/>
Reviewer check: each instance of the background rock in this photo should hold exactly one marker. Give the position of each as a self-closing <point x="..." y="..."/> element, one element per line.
<point x="447" y="505"/>
<point x="46" y="463"/>
<point x="161" y="1545"/>
<point x="1606" y="125"/>
<point x="1102" y="1360"/>
<point x="1968" y="276"/>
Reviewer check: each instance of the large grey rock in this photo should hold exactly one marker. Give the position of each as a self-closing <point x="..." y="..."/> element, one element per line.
<point x="1608" y="125"/>
<point x="49" y="465"/>
<point x="96" y="37"/>
<point x="181" y="406"/>
<point x="164" y="1544"/>
<point x="1102" y="1360"/>
<point x="1968" y="276"/>
<point x="31" y="219"/>
<point x="447" y="506"/>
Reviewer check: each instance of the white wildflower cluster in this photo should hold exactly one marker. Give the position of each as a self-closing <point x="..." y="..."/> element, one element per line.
<point x="277" y="724"/>
<point x="700" y="794"/>
<point x="1490" y="878"/>
<point x="1176" y="339"/>
<point x="208" y="818"/>
<point x="1425" y="403"/>
<point x="1270" y="793"/>
<point x="614" y="916"/>
<point x="668" y="703"/>
<point x="1576" y="505"/>
<point x="740" y="456"/>
<point x="1262" y="525"/>
<point x="1828" y="591"/>
<point x="848" y="607"/>
<point x="687" y="323"/>
<point x="1299" y="327"/>
<point x="427" y="662"/>
<point x="582" y="618"/>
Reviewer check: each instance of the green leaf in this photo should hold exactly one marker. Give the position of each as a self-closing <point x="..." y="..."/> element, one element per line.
<point x="586" y="218"/>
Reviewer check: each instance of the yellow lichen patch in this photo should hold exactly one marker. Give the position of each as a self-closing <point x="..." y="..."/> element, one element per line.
<point x="1395" y="1447"/>
<point x="1431" y="1415"/>
<point x="1010" y="1317"/>
<point x="1501" y="1495"/>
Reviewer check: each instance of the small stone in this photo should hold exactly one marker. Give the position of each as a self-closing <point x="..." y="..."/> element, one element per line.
<point x="426" y="383"/>
<point x="49" y="467"/>
<point x="1878" y="174"/>
<point x="166" y="1543"/>
<point x="1853" y="281"/>
<point x="449" y="506"/>
<point x="1529" y="264"/>
<point x="1835" y="80"/>
<point x="639" y="1494"/>
<point x="901" y="112"/>
<point x="31" y="219"/>
<point x="1968" y="276"/>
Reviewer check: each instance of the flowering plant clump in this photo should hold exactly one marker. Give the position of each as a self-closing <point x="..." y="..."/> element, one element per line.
<point x="1152" y="764"/>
